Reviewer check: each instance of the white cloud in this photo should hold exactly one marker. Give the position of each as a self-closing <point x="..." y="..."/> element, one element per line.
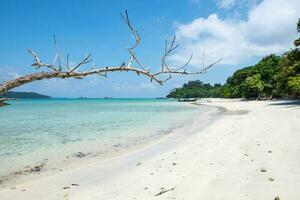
<point x="226" y="3"/>
<point x="229" y="4"/>
<point x="14" y="75"/>
<point x="125" y="86"/>
<point x="269" y="28"/>
<point x="9" y="72"/>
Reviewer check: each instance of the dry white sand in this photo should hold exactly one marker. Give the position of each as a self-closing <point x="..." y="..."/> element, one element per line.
<point x="242" y="155"/>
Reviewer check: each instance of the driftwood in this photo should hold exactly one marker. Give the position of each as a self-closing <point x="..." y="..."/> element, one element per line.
<point x="7" y="99"/>
<point x="62" y="69"/>
<point x="164" y="191"/>
<point x="3" y="103"/>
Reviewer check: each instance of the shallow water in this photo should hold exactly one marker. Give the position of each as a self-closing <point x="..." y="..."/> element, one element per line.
<point x="32" y="131"/>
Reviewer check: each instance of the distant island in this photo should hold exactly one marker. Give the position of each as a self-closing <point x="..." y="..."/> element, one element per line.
<point x="24" y="95"/>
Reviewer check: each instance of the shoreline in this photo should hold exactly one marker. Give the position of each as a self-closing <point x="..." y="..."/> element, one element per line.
<point x="45" y="169"/>
<point x="251" y="152"/>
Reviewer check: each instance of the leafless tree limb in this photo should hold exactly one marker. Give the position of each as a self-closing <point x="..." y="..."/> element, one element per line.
<point x="57" y="53"/>
<point x="38" y="64"/>
<point x="3" y="101"/>
<point x="64" y="70"/>
<point x="83" y="62"/>
<point x="137" y="39"/>
<point x="8" y="99"/>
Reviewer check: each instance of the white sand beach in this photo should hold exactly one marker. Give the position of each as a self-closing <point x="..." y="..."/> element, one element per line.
<point x="250" y="152"/>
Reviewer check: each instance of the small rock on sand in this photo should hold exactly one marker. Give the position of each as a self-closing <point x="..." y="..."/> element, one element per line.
<point x="263" y="170"/>
<point x="79" y="155"/>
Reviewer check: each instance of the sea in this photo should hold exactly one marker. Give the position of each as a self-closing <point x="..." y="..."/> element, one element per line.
<point x="40" y="134"/>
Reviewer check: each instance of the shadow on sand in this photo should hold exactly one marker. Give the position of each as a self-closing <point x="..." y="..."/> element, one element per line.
<point x="287" y="103"/>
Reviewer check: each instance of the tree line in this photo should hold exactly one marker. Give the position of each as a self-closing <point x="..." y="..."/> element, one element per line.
<point x="272" y="77"/>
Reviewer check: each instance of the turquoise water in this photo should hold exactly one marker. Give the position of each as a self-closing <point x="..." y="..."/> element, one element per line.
<point x="34" y="130"/>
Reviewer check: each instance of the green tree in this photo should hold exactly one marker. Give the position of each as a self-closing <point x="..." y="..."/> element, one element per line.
<point x="196" y="89"/>
<point x="253" y="87"/>
<point x="289" y="67"/>
<point x="297" y="41"/>
<point x="294" y="86"/>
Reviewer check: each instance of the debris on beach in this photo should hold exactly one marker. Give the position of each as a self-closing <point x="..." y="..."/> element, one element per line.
<point x="79" y="155"/>
<point x="37" y="168"/>
<point x="271" y="179"/>
<point x="117" y="145"/>
<point x="138" y="164"/>
<point x="263" y="170"/>
<point x="164" y="191"/>
<point x="17" y="173"/>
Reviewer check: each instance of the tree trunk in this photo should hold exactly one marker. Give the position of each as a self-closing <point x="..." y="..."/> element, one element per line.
<point x="34" y="77"/>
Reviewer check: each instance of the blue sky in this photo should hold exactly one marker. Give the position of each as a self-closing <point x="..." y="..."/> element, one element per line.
<point x="241" y="32"/>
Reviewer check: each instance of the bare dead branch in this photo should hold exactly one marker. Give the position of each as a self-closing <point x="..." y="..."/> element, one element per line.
<point x="164" y="191"/>
<point x="57" y="53"/>
<point x="134" y="31"/>
<point x="184" y="65"/>
<point x="38" y="62"/>
<point x="136" y="37"/>
<point x="4" y="103"/>
<point x="9" y="99"/>
<point x="168" y="51"/>
<point x="211" y="65"/>
<point x="63" y="69"/>
<point x="67" y="64"/>
<point x="83" y="62"/>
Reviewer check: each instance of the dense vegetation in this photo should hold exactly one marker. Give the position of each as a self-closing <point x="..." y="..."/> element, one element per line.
<point x="24" y="95"/>
<point x="272" y="77"/>
<point x="195" y="89"/>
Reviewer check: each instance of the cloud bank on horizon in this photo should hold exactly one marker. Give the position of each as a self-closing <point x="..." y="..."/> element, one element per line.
<point x="270" y="27"/>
